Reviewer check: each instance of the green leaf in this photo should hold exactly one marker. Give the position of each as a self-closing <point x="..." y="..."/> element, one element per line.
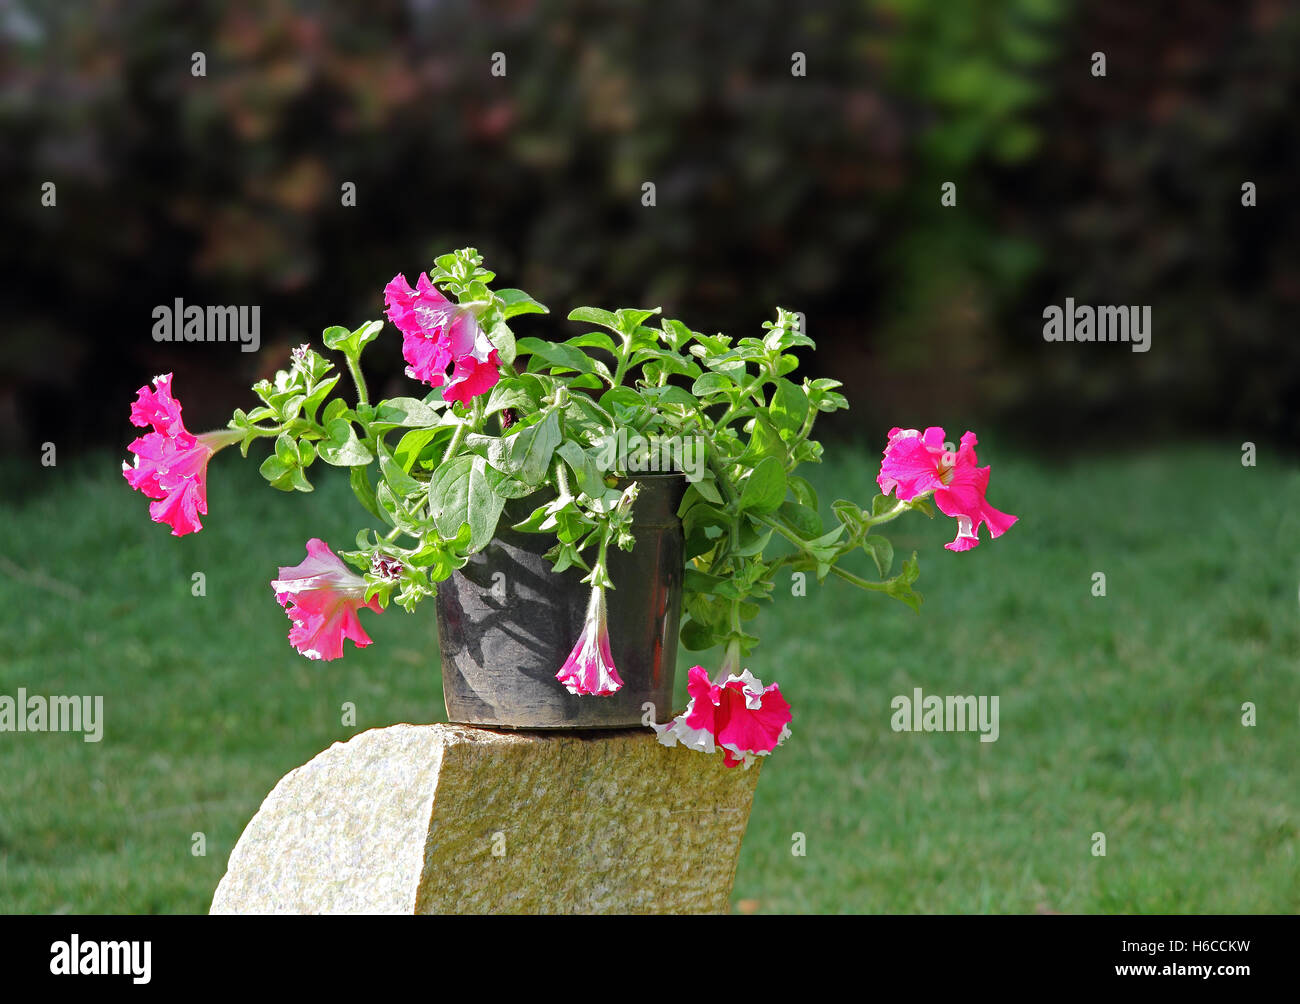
<point x="286" y="450"/>
<point x="594" y="315"/>
<point x="881" y="551"/>
<point x="589" y="380"/>
<point x="296" y="480"/>
<point x="333" y="410"/>
<point x="803" y="491"/>
<point x="503" y="340"/>
<point x="411" y="445"/>
<point x="881" y="504"/>
<point x="334" y="336"/>
<point x="350" y="343"/>
<point x="313" y="400"/>
<point x="698" y="636"/>
<point x="342" y="448"/>
<point x="397" y="478"/>
<point x="711" y="383"/>
<point x="623" y="397"/>
<point x="527" y="453"/>
<point x="284" y="474"/>
<point x="673" y="395"/>
<point x="900" y="586"/>
<point x="406" y="412"/>
<point x="506" y="486"/>
<point x="584" y="468"/>
<point x="752" y="539"/>
<point x="359" y="479"/>
<point x="460" y="495"/>
<point x="516" y="301"/>
<point x="629" y="319"/>
<point x="708" y="488"/>
<point x="593" y="340"/>
<point x="273" y="468"/>
<point x="556" y="354"/>
<point x="765" y="490"/>
<point x="788" y="409"/>
<point x="804" y="521"/>
<point x="522" y="393"/>
<point x="675" y="333"/>
<point x="851" y="515"/>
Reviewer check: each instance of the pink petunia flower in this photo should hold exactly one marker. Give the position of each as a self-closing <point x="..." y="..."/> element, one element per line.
<point x="171" y="464"/>
<point x="916" y="463"/>
<point x="740" y="716"/>
<point x="326" y="598"/>
<point x="437" y="333"/>
<point x="590" y="666"/>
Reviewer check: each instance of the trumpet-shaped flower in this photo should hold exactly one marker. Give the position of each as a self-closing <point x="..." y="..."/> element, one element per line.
<point x="739" y="716"/>
<point x="437" y="333"/>
<point x="590" y="666"/>
<point x="915" y="463"/>
<point x="323" y="598"/>
<point x="171" y="464"/>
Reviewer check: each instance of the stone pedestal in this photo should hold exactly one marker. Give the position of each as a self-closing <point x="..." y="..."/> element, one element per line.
<point x="453" y="819"/>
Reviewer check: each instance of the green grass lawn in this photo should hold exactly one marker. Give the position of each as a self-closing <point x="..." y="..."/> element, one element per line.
<point x="1119" y="714"/>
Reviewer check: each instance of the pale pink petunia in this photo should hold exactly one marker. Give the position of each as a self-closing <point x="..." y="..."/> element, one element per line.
<point x="437" y="333"/>
<point x="915" y="463"/>
<point x="590" y="666"/>
<point x="171" y="464"/>
<point x="323" y="598"/>
<point x="739" y="716"/>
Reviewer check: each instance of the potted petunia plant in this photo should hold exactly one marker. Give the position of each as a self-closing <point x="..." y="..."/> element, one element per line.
<point x="574" y="508"/>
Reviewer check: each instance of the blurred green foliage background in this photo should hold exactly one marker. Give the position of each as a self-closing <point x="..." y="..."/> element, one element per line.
<point x="817" y="192"/>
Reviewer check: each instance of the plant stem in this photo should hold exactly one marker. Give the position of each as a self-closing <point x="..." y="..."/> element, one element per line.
<point x="562" y="479"/>
<point x="797" y="541"/>
<point x="457" y="438"/>
<point x="890" y="514"/>
<point x="861" y="583"/>
<point x="354" y="367"/>
<point x="783" y="530"/>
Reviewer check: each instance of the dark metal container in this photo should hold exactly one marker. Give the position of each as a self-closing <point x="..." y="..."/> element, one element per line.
<point x="507" y="622"/>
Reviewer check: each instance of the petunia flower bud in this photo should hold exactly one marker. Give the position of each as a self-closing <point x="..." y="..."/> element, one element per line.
<point x="590" y="667"/>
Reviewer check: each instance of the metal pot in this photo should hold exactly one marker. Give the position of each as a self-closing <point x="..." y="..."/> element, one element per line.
<point x="507" y="622"/>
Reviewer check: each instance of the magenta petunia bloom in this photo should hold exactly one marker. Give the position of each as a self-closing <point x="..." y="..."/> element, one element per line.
<point x="590" y="666"/>
<point x="171" y="464"/>
<point x="437" y="333"/>
<point x="917" y="463"/>
<point x="326" y="598"/>
<point x="740" y="716"/>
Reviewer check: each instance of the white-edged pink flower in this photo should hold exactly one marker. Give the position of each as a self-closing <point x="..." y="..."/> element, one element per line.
<point x="323" y="597"/>
<point x="739" y="716"/>
<point x="590" y="666"/>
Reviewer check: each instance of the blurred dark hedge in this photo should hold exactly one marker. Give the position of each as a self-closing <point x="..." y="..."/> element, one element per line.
<point x="816" y="192"/>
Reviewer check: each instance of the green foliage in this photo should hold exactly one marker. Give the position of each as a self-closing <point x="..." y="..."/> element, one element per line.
<point x="546" y="430"/>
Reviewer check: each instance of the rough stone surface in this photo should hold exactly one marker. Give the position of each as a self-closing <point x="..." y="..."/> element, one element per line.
<point x="453" y="819"/>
